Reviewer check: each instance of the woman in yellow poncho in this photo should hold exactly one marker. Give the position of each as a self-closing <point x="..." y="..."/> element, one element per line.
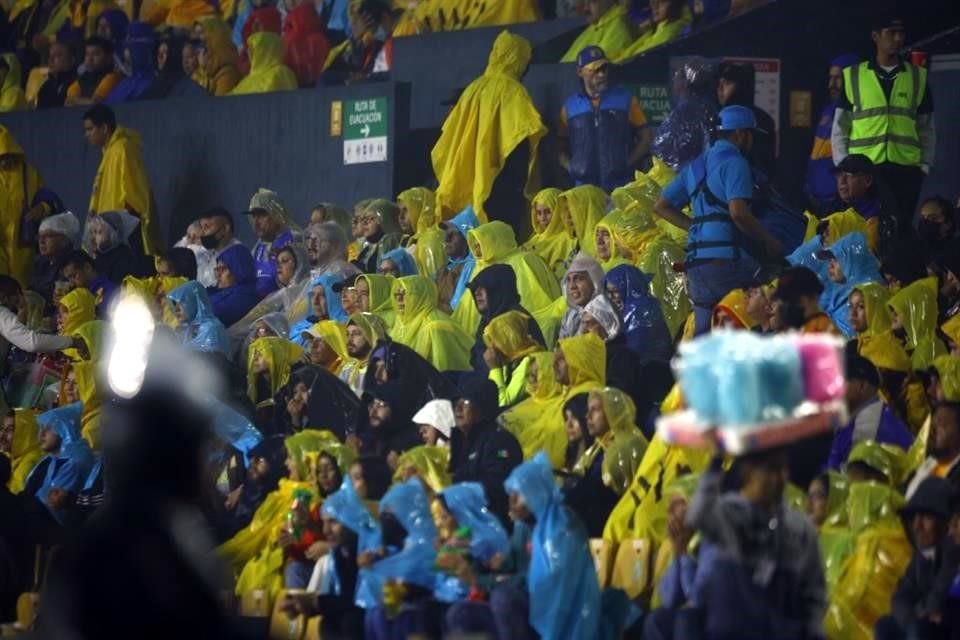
<point x="24" y="449"/>
<point x="581" y="208"/>
<point x="268" y="368"/>
<point x="493" y="116"/>
<point x="550" y="240"/>
<point x="430" y="464"/>
<point x="623" y="444"/>
<point x="328" y="346"/>
<point x="75" y="309"/>
<point x="609" y="29"/>
<point x="731" y="312"/>
<point x="827" y="508"/>
<point x="869" y="314"/>
<point x="635" y="232"/>
<point x="220" y="69"/>
<point x="509" y="353"/>
<point x="609" y="235"/>
<point x="534" y="419"/>
<point x="914" y="318"/>
<point x="421" y="326"/>
<point x="668" y="20"/>
<point x="12" y="97"/>
<point x="121" y="184"/>
<point x="900" y="387"/>
<point x="881" y="551"/>
<point x="16" y="257"/>
<point x="495" y="243"/>
<point x="267" y="71"/>
<point x="374" y="296"/>
<point x="88" y="386"/>
<point x="420" y="218"/>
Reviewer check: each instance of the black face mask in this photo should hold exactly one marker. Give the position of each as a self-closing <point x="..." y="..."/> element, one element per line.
<point x="210" y="242"/>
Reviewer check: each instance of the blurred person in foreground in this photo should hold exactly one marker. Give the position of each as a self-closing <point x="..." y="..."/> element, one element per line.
<point x="143" y="566"/>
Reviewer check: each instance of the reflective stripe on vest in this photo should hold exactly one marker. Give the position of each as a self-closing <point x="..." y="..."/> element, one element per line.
<point x="881" y="129"/>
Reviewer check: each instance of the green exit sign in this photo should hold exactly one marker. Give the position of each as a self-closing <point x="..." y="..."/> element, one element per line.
<point x="365" y="131"/>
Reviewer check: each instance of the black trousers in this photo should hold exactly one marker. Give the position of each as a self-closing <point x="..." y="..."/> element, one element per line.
<point x="904" y="183"/>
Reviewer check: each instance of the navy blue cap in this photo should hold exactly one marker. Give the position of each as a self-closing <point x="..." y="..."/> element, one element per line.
<point x="592" y="56"/>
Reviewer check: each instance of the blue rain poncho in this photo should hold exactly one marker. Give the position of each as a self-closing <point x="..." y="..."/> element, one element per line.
<point x="335" y="310"/>
<point x="69" y="468"/>
<point x="859" y="267"/>
<point x="413" y="564"/>
<point x="806" y="256"/>
<point x="406" y="265"/>
<point x="644" y="329"/>
<point x="201" y="330"/>
<point x="234" y="428"/>
<point x="562" y="580"/>
<point x="346" y="507"/>
<point x="467" y="502"/>
<point x="463" y="222"/>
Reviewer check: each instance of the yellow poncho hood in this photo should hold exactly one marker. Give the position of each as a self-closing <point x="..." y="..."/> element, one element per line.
<point x="885" y="352"/>
<point x="613" y="220"/>
<point x="453" y="15"/>
<point x="916" y="305"/>
<point x="12" y="97"/>
<point x="509" y="334"/>
<point x="121" y="183"/>
<point x="267" y="71"/>
<point x="25" y="450"/>
<point x="421" y="326"/>
<point x="430" y="464"/>
<point x="492" y="117"/>
<point x="279" y="355"/>
<point x="335" y="335"/>
<point x="81" y="308"/>
<point x="428" y="239"/>
<point x="623" y="452"/>
<point x="534" y="421"/>
<point x="586" y="357"/>
<point x="951" y="329"/>
<point x="371" y="325"/>
<point x="581" y="208"/>
<point x="551" y="242"/>
<point x="875" y="298"/>
<point x="735" y="304"/>
<point x="15" y="259"/>
<point x="632" y="229"/>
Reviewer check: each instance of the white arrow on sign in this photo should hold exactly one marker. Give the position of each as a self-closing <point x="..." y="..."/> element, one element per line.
<point x="365" y="130"/>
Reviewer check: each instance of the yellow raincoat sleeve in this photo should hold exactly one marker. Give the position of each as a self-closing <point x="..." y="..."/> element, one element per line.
<point x="25" y="450"/>
<point x="15" y="258"/>
<point x="90" y="397"/>
<point x="493" y="116"/>
<point x="612" y="33"/>
<point x="12" y="97"/>
<point x="121" y="183"/>
<point x="267" y="71"/>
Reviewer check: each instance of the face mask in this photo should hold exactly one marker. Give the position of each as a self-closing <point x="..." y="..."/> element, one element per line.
<point x="209" y="242"/>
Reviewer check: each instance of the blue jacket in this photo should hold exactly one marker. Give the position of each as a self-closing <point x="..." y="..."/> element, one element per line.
<point x="875" y="421"/>
<point x="600" y="139"/>
<point x="264" y="255"/>
<point x="232" y="303"/>
<point x="201" y="329"/>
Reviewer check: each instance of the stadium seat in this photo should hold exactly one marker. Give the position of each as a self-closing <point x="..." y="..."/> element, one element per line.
<point x="602" y="552"/>
<point x="282" y="626"/>
<point x="631" y="569"/>
<point x="255" y="604"/>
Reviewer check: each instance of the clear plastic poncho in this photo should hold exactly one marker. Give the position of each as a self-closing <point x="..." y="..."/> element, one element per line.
<point x="561" y="580"/>
<point x="916" y="307"/>
<point x="644" y="328"/>
<point x="292" y="299"/>
<point x="686" y="131"/>
<point x="623" y="452"/>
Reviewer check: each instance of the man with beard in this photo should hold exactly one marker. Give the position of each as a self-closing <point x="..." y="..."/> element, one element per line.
<point x="327" y="250"/>
<point x="944" y="448"/>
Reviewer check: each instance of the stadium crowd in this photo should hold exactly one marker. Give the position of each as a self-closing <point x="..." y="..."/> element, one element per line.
<point x="433" y="426"/>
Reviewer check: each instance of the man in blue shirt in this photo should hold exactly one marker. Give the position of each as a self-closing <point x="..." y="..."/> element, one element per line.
<point x="275" y="230"/>
<point x="723" y="234"/>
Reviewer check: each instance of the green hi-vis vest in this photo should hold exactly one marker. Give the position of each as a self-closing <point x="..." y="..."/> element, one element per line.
<point x="881" y="130"/>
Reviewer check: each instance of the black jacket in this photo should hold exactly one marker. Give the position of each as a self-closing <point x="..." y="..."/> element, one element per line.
<point x="487" y="455"/>
<point x="923" y="587"/>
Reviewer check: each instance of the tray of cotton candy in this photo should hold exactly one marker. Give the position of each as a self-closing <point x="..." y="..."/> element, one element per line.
<point x="746" y="392"/>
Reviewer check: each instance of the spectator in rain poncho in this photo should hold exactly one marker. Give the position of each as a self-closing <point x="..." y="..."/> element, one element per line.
<point x="105" y="239"/>
<point x="419" y="219"/>
<point x="562" y="590"/>
<point x="397" y="263"/>
<point x="493" y="116"/>
<point x="199" y="328"/>
<point x="582" y="282"/>
<point x="850" y="264"/>
<point x="454" y="277"/>
<point x="581" y="209"/>
<point x="327" y="250"/>
<point x="379" y="226"/>
<point x="22" y="446"/>
<point x="323" y="304"/>
<point x="220" y="71"/>
<point x="171" y="81"/>
<point x="685" y="131"/>
<point x="267" y="71"/>
<point x="235" y="293"/>
<point x="668" y="21"/>
<point x="12" y="97"/>
<point x="508" y="354"/>
<point x="66" y="462"/>
<point x="275" y="229"/>
<point x="138" y="53"/>
<point x="291" y="295"/>
<point x="550" y="239"/>
<point x="913" y="316"/>
<point x="608" y="28"/>
<point x="601" y="319"/>
<point x="424" y="328"/>
<point x="57" y="236"/>
<point x="644" y="330"/>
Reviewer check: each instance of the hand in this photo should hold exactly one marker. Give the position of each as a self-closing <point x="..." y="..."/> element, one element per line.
<point x="451" y="563"/>
<point x="37" y="213"/>
<point x="295" y="407"/>
<point x="233" y="498"/>
<point x="317" y="550"/>
<point x="392" y="458"/>
<point x="284" y="539"/>
<point x="492" y="358"/>
<point x="367" y="558"/>
<point x="496" y="562"/>
<point x="81" y="346"/>
<point x="935" y="617"/>
<point x="57" y="498"/>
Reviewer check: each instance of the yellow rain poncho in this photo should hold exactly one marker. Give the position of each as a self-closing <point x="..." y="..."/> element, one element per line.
<point x="221" y="71"/>
<point x="951" y="329"/>
<point x="886" y="352"/>
<point x="88" y="385"/>
<point x="12" y="97"/>
<point x="253" y="548"/>
<point x="875" y="298"/>
<point x="533" y="420"/>
<point x="81" y="308"/>
<point x="838" y="225"/>
<point x="428" y="239"/>
<point x="611" y="32"/>
<point x="734" y="304"/>
<point x="508" y="333"/>
<point x="916" y="306"/>
<point x="667" y="285"/>
<point x="836" y="540"/>
<point x="121" y="183"/>
<point x="659" y="34"/>
<point x="421" y="326"/>
<point x="334" y="335"/>
<point x="179" y="14"/>
<point x="616" y="219"/>
<point x="880" y="555"/>
<point x="948" y="370"/>
<point x="267" y="71"/>
<point x="493" y="116"/>
<point x="642" y="511"/>
<point x="624" y="450"/>
<point x="495" y="243"/>
<point x="280" y="355"/>
<point x="581" y="208"/>
<point x="634" y="231"/>
<point x="16" y="259"/>
<point x="380" y="300"/>
<point x="430" y="464"/>
<point x="25" y="450"/>
<point x="552" y="243"/>
<point x="453" y="15"/>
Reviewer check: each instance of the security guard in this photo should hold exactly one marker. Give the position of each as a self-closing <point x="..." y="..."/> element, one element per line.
<point x="723" y="231"/>
<point x="886" y="114"/>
